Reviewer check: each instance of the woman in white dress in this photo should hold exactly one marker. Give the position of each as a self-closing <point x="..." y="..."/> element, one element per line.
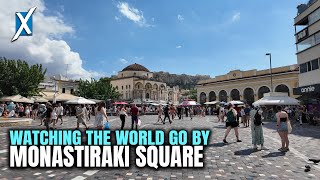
<point x="100" y="116"/>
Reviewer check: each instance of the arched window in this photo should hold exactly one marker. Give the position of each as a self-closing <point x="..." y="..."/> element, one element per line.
<point x="212" y="96"/>
<point x="283" y="88"/>
<point x="223" y="96"/>
<point x="248" y="95"/>
<point x="235" y="94"/>
<point x="262" y="90"/>
<point x="203" y="97"/>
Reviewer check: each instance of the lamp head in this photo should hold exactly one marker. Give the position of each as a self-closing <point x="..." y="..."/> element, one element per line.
<point x="268" y="54"/>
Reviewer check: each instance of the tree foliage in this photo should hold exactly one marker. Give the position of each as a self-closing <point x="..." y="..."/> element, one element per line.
<point x="191" y="94"/>
<point x="18" y="77"/>
<point x="97" y="89"/>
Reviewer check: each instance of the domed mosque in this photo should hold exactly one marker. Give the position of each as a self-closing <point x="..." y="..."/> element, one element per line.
<point x="135" y="82"/>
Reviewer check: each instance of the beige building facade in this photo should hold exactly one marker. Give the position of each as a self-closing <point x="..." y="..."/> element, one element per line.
<point x="307" y="29"/>
<point x="137" y="82"/>
<point x="248" y="86"/>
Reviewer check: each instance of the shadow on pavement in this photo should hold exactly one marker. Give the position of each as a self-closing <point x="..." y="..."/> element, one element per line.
<point x="274" y="154"/>
<point x="245" y="152"/>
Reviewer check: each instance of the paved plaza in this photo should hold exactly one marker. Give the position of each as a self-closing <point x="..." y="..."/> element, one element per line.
<point x="231" y="161"/>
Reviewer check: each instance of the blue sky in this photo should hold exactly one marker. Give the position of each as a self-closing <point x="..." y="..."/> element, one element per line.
<point x="208" y="37"/>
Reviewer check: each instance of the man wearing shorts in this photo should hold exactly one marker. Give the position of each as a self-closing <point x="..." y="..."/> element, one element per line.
<point x="134" y="116"/>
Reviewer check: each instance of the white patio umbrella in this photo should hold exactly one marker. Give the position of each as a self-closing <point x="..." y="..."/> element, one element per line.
<point x="80" y="100"/>
<point x="17" y="98"/>
<point x="212" y="103"/>
<point x="39" y="99"/>
<point x="236" y="102"/>
<point x="280" y="99"/>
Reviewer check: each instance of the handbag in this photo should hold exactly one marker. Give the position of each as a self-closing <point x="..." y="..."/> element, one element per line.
<point x="107" y="126"/>
<point x="289" y="126"/>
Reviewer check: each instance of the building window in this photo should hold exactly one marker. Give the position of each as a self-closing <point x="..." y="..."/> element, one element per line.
<point x="63" y="90"/>
<point x="317" y="38"/>
<point x="309" y="66"/>
<point x="122" y="87"/>
<point x="122" y="75"/>
<point x="303" y="68"/>
<point x="117" y="88"/>
<point x="134" y="74"/>
<point x="315" y="64"/>
<point x="315" y="16"/>
<point x="71" y="91"/>
<point x="129" y="86"/>
<point x="305" y="44"/>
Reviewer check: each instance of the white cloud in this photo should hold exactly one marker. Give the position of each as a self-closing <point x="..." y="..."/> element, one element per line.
<point x="179" y="46"/>
<point x="123" y="61"/>
<point x="180" y="17"/>
<point x="133" y="14"/>
<point x="117" y="18"/>
<point x="46" y="46"/>
<point x="236" y="17"/>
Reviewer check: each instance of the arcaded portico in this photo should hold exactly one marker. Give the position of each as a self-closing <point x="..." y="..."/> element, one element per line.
<point x="248" y="86"/>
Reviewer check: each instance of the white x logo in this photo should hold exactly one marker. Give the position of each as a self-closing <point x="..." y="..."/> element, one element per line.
<point x="23" y="25"/>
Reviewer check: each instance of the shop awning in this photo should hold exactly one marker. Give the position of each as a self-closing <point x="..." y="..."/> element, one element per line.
<point x="276" y="99"/>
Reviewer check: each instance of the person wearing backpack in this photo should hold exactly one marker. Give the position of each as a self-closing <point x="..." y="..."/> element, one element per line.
<point x="231" y="122"/>
<point x="256" y="128"/>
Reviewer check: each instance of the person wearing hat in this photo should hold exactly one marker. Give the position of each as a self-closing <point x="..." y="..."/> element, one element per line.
<point x="231" y="123"/>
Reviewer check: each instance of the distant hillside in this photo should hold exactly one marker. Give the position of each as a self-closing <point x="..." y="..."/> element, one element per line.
<point x="183" y="81"/>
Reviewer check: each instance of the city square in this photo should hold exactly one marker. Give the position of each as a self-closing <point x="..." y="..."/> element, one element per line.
<point x="222" y="161"/>
<point x="128" y="89"/>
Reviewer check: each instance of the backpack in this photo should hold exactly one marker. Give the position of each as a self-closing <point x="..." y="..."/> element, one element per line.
<point x="230" y="116"/>
<point x="257" y="119"/>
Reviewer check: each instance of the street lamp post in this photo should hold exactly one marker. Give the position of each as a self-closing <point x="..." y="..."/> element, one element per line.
<point x="269" y="54"/>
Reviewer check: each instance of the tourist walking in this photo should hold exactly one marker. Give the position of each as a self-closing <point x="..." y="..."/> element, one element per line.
<point x="179" y="112"/>
<point x="27" y="111"/>
<point x="81" y="114"/>
<point x="247" y="114"/>
<point x="231" y="122"/>
<point x="283" y="124"/>
<point x="35" y="109"/>
<point x="191" y="112"/>
<point x="172" y="112"/>
<point x="256" y="128"/>
<point x="166" y="114"/>
<point x="100" y="116"/>
<point x="243" y="117"/>
<point x="123" y="115"/>
<point x="134" y="116"/>
<point x="221" y="114"/>
<point x="60" y="113"/>
<point x="54" y="116"/>
<point x="186" y="109"/>
<point x="48" y="116"/>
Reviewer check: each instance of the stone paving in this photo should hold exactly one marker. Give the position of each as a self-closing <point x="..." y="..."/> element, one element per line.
<point x="231" y="161"/>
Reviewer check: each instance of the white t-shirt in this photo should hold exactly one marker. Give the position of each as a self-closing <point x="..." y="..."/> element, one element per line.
<point x="60" y="110"/>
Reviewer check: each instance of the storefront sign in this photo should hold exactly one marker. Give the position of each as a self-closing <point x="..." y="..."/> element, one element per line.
<point x="306" y="89"/>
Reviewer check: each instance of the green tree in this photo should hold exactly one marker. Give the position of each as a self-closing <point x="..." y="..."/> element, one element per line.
<point x="18" y="77"/>
<point x="101" y="89"/>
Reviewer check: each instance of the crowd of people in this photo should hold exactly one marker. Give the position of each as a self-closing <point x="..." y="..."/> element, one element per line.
<point x="50" y="114"/>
